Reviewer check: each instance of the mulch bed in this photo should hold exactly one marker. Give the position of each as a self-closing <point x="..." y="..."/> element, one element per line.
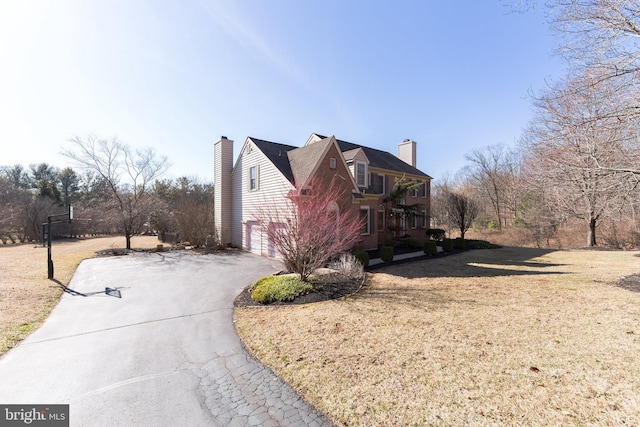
<point x="334" y="287"/>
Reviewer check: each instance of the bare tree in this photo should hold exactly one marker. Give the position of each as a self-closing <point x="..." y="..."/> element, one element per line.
<point x="439" y="213"/>
<point x="462" y="209"/>
<point x="599" y="35"/>
<point x="314" y="224"/>
<point x="573" y="133"/>
<point x="492" y="169"/>
<point x="600" y="40"/>
<point x="127" y="174"/>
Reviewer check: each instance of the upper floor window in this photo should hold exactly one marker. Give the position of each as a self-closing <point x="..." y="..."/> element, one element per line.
<point x="361" y="174"/>
<point x="332" y="163"/>
<point x="379" y="184"/>
<point x="420" y="191"/>
<point x="414" y="192"/>
<point x="253" y="178"/>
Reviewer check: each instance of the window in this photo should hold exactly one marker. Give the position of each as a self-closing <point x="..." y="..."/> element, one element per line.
<point x="414" y="192"/>
<point x="253" y="178"/>
<point x="361" y="174"/>
<point x="414" y="221"/>
<point x="366" y="220"/>
<point x="332" y="163"/>
<point x="380" y="184"/>
<point x="381" y="215"/>
<point x="425" y="218"/>
<point x="423" y="189"/>
<point x="333" y="210"/>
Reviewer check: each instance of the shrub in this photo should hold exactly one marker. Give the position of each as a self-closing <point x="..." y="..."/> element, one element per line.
<point x="362" y="256"/>
<point x="392" y="243"/>
<point x="280" y="288"/>
<point x="436" y="234"/>
<point x="481" y="244"/>
<point x="447" y="245"/>
<point x="349" y="266"/>
<point x="430" y="248"/>
<point x="414" y="243"/>
<point x="386" y="253"/>
<point x="459" y="243"/>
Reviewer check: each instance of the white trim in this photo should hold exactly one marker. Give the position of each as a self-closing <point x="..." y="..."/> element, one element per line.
<point x="257" y="178"/>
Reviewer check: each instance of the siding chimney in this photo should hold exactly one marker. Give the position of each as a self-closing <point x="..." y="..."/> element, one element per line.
<point x="407" y="152"/>
<point x="222" y="166"/>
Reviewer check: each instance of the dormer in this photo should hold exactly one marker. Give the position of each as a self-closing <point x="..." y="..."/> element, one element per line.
<point x="358" y="164"/>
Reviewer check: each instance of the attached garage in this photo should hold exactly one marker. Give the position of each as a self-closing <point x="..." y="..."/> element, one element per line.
<point x="253" y="235"/>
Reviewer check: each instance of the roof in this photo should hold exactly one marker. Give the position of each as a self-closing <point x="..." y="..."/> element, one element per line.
<point x="351" y="154"/>
<point x="297" y="163"/>
<point x="277" y="154"/>
<point x="380" y="159"/>
<point x="303" y="160"/>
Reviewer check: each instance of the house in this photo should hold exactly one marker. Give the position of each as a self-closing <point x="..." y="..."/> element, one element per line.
<point x="265" y="172"/>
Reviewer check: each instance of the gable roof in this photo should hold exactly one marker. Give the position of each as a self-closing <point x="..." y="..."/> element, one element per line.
<point x="378" y="158"/>
<point x="352" y="154"/>
<point x="304" y="160"/>
<point x="296" y="164"/>
<point x="277" y="154"/>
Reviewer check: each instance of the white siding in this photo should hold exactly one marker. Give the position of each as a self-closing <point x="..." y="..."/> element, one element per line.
<point x="273" y="187"/>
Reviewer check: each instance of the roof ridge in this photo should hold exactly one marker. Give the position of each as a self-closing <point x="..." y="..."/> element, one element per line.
<point x="357" y="145"/>
<point x="271" y="142"/>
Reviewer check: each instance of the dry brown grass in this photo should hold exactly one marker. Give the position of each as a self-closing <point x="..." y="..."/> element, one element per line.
<point x="27" y="296"/>
<point x="512" y="336"/>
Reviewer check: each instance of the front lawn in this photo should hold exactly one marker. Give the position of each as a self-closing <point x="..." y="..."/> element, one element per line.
<point x="511" y="336"/>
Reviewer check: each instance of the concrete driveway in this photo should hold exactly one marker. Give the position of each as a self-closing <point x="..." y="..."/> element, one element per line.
<point x="164" y="353"/>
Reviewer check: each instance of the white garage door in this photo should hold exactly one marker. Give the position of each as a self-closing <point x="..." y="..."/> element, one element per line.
<point x="254" y="237"/>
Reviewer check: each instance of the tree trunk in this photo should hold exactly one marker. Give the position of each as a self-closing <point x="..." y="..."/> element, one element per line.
<point x="128" y="239"/>
<point x="591" y="235"/>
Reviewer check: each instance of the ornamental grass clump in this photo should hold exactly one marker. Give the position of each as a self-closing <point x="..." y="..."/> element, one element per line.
<point x="269" y="289"/>
<point x="349" y="266"/>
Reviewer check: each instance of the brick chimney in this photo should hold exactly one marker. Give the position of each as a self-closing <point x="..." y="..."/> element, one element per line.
<point x="407" y="152"/>
<point x="222" y="166"/>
